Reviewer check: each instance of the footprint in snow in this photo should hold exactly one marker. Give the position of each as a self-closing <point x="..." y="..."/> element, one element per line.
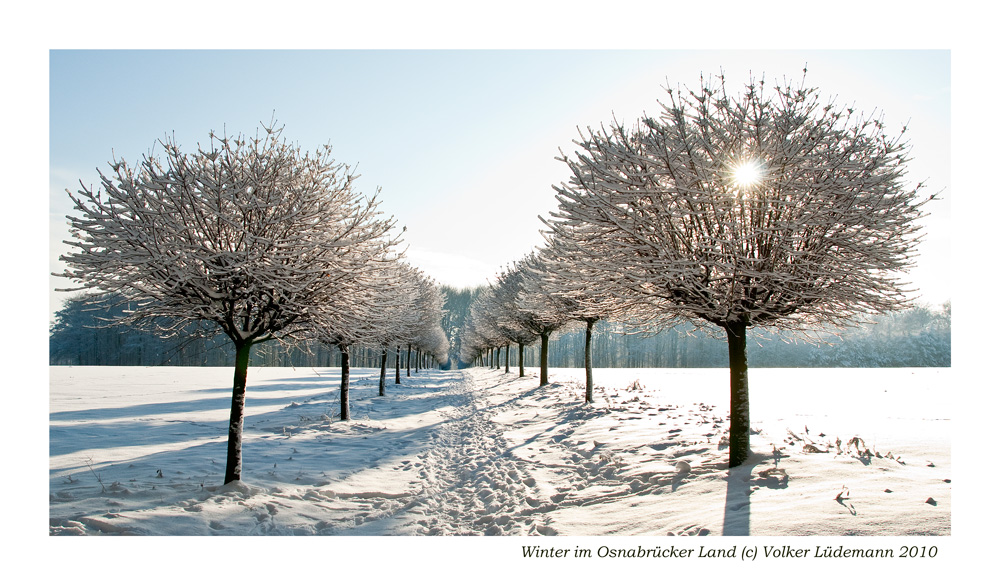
<point x="693" y="530"/>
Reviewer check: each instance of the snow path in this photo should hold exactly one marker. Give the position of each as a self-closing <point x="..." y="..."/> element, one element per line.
<point x="469" y="482"/>
<point x="462" y="483"/>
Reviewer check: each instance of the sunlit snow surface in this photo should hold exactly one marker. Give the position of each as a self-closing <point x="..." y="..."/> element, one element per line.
<point x="142" y="451"/>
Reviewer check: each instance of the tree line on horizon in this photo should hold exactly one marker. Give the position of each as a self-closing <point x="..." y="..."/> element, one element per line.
<point x="85" y="333"/>
<point x="913" y="338"/>
<point x="916" y="337"/>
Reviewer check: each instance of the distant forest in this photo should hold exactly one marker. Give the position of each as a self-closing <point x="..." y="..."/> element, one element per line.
<point x="916" y="337"/>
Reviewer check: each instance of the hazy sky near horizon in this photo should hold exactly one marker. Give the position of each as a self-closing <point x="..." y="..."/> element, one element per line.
<point x="461" y="143"/>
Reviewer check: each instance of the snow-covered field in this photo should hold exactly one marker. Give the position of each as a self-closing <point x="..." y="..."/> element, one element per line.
<point x="480" y="452"/>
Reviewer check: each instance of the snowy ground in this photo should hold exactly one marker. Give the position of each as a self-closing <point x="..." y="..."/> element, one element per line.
<point x="479" y="452"/>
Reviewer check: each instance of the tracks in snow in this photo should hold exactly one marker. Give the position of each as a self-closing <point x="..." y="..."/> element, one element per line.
<point x="465" y="481"/>
<point x="473" y="485"/>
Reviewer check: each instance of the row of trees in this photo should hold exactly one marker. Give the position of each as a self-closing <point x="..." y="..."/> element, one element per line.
<point x="257" y="240"/>
<point x="85" y="332"/>
<point x="915" y="337"/>
<point x="529" y="301"/>
<point x="729" y="212"/>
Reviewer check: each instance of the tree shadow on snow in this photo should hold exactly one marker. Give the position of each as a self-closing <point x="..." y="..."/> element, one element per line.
<point x="740" y="484"/>
<point x="736" y="521"/>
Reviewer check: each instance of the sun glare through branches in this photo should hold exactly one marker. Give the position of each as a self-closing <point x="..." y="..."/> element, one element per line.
<point x="747" y="173"/>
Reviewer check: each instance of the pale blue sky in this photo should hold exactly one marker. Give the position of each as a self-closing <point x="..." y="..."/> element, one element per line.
<point x="461" y="142"/>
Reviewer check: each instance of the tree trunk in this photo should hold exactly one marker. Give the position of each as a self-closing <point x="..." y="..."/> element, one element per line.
<point x="398" y="353"/>
<point x="588" y="362"/>
<point x="739" y="395"/>
<point x="520" y="359"/>
<point x="544" y="360"/>
<point x="381" y="374"/>
<point x="234" y="452"/>
<point x="506" y="361"/>
<point x="345" y="377"/>
<point x="408" y="349"/>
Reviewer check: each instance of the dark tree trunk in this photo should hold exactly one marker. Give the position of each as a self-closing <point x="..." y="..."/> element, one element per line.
<point x="398" y="353"/>
<point x="408" y="349"/>
<point x="544" y="359"/>
<point x="234" y="452"/>
<point x="506" y="361"/>
<point x="345" y="377"/>
<point x="520" y="360"/>
<point x="588" y="364"/>
<point x="739" y="395"/>
<point x="381" y="374"/>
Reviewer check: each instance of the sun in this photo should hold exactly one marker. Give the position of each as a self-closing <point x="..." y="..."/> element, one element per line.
<point x="747" y="173"/>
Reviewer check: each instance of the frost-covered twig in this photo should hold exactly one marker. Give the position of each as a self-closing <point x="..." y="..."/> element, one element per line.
<point x="90" y="465"/>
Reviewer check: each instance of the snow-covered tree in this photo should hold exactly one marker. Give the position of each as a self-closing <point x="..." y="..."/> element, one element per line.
<point x="394" y="304"/>
<point x="744" y="210"/>
<point x="428" y="336"/>
<point x="508" y="322"/>
<point x="505" y="313"/>
<point x="494" y="320"/>
<point x="383" y="312"/>
<point x="563" y="286"/>
<point x="471" y="347"/>
<point x="398" y="289"/>
<point x="357" y="321"/>
<point x="433" y="344"/>
<point x="534" y="309"/>
<point x="249" y="233"/>
<point x="478" y="333"/>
